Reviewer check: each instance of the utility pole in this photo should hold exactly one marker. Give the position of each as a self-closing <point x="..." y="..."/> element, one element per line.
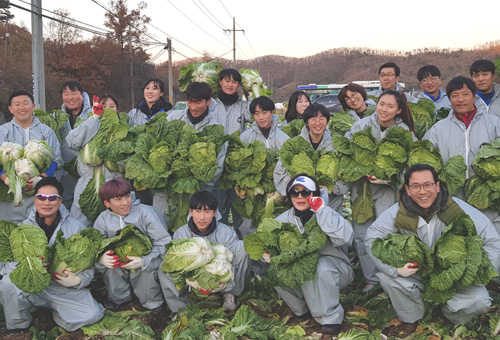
<point x="6" y="44"/>
<point x="170" y="75"/>
<point x="234" y="40"/>
<point x="132" y="104"/>
<point x="37" y="54"/>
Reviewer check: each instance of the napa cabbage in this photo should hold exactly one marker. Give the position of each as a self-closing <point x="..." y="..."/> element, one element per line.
<point x="201" y="72"/>
<point x="251" y="81"/>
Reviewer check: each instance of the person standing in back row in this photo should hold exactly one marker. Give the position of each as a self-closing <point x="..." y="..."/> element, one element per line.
<point x="389" y="80"/>
<point x="483" y="74"/>
<point x="152" y="103"/>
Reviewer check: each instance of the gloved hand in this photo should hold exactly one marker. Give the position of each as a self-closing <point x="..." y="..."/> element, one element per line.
<point x="44" y="264"/>
<point x="316" y="203"/>
<point x="32" y="182"/>
<point x="266" y="257"/>
<point x="67" y="278"/>
<point x="135" y="262"/>
<point x="109" y="260"/>
<point x="241" y="192"/>
<point x="97" y="108"/>
<point x="409" y="269"/>
<point x="375" y="180"/>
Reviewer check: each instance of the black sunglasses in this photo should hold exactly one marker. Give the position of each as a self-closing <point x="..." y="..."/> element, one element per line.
<point x="51" y="198"/>
<point x="303" y="193"/>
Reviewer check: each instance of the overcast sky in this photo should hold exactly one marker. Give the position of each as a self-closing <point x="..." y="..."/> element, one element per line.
<point x="299" y="28"/>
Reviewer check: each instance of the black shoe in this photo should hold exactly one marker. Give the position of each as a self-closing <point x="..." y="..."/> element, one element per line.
<point x="332" y="329"/>
<point x="304" y="317"/>
<point x="109" y="305"/>
<point x="17" y="330"/>
<point x="157" y="310"/>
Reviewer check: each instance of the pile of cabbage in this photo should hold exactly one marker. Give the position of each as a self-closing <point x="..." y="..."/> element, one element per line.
<point x="363" y="155"/>
<point x="248" y="168"/>
<point x="483" y="189"/>
<point x="195" y="262"/>
<point x="294" y="256"/>
<point x="21" y="163"/>
<point x="457" y="259"/>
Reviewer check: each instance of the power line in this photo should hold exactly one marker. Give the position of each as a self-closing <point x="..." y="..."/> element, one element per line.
<point x="70" y="18"/>
<point x="195" y="23"/>
<point x="171" y="37"/>
<point x="226" y="9"/>
<point x="250" y="44"/>
<point x="221" y="24"/>
<point x="212" y="20"/>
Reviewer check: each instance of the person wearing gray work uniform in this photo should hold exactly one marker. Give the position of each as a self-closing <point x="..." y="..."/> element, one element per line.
<point x="425" y="209"/>
<point x="140" y="273"/>
<point x="71" y="303"/>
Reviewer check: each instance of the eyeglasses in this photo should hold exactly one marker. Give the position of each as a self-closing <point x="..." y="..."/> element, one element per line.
<point x="416" y="187"/>
<point x="352" y="97"/>
<point x="303" y="193"/>
<point x="426" y="80"/>
<point x="383" y="75"/>
<point x="51" y="198"/>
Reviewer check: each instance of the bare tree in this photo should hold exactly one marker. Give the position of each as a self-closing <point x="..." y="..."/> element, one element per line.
<point x="59" y="33"/>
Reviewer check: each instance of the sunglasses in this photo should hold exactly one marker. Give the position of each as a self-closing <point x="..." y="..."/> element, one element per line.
<point x="51" y="198"/>
<point x="303" y="193"/>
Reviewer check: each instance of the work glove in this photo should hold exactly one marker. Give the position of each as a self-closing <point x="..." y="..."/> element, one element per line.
<point x="409" y="269"/>
<point x="266" y="257"/>
<point x="375" y="180"/>
<point x="32" y="182"/>
<point x="316" y="203"/>
<point x="109" y="260"/>
<point x="97" y="108"/>
<point x="67" y="278"/>
<point x="44" y="264"/>
<point x="241" y="192"/>
<point x="135" y="263"/>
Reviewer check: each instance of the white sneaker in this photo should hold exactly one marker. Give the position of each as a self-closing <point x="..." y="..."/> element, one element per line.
<point x="368" y="287"/>
<point x="229" y="303"/>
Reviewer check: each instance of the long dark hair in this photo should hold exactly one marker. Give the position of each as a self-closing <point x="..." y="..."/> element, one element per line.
<point x="291" y="112"/>
<point x="405" y="114"/>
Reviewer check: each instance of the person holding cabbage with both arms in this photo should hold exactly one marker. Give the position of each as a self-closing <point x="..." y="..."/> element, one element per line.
<point x="140" y="273"/>
<point x="76" y="140"/>
<point x="66" y="295"/>
<point x="392" y="110"/>
<point x="204" y="221"/>
<point x="316" y="132"/>
<point x="22" y="128"/>
<point x="425" y="209"/>
<point x="319" y="297"/>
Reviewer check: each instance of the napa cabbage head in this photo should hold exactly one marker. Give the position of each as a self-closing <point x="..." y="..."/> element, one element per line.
<point x="186" y="254"/>
<point x="40" y="153"/>
<point x="10" y="152"/>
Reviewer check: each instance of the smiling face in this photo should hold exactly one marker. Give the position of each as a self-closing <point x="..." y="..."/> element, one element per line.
<point x="462" y="100"/>
<point x="228" y="85"/>
<point x="388" y="78"/>
<point x="299" y="202"/>
<point x="263" y="118"/>
<point x="120" y="205"/>
<point x="317" y="125"/>
<point x="416" y="190"/>
<point x="73" y="100"/>
<point x="202" y="217"/>
<point x="152" y="93"/>
<point x="22" y="108"/>
<point x="198" y="107"/>
<point x="431" y="84"/>
<point x="387" y="110"/>
<point x="47" y="209"/>
<point x="302" y="104"/>
<point x="355" y="101"/>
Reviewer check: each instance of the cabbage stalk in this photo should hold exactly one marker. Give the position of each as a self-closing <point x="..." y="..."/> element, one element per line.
<point x="252" y="81"/>
<point x="10" y="152"/>
<point x="40" y="153"/>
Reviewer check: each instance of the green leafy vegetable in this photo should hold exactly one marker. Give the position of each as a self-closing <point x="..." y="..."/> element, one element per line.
<point x="89" y="201"/>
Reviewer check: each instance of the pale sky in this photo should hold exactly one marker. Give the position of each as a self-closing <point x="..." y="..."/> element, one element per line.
<point x="299" y="28"/>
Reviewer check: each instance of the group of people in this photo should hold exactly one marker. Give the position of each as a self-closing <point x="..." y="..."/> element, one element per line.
<point x="422" y="199"/>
